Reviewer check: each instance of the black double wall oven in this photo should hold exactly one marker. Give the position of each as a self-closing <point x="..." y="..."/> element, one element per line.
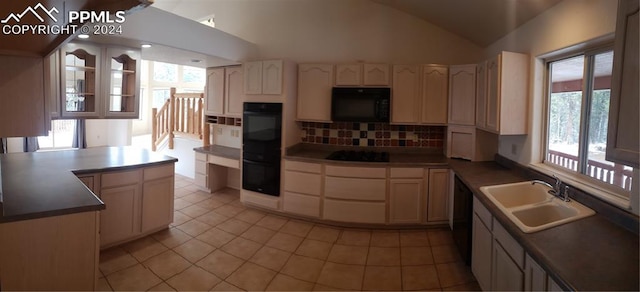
<point x="261" y="146"/>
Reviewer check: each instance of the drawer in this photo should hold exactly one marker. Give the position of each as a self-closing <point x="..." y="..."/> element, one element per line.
<point x="300" y="182"/>
<point x="355" y="188"/>
<point x="358" y="212"/>
<point x="301" y="204"/>
<point x="483" y="213"/>
<point x="361" y="172"/>
<point x="121" y="178"/>
<point x="302" y="166"/>
<point x="201" y="156"/>
<point x="201" y="180"/>
<point x="406" y="172"/>
<point x="201" y="167"/>
<point x="228" y="162"/>
<point x="161" y="171"/>
<point x="510" y="245"/>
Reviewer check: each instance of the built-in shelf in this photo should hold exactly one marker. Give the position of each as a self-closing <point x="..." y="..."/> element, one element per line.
<point x="220" y="120"/>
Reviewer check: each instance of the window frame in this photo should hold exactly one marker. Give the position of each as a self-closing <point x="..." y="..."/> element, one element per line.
<point x="578" y="176"/>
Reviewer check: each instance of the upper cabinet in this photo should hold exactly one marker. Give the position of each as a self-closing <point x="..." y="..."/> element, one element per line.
<point x="362" y="75"/>
<point x="623" y="143"/>
<point x="263" y="77"/>
<point x="405" y="94"/>
<point x="22" y="97"/>
<point x="224" y="92"/>
<point x="80" y="66"/>
<point x="435" y="79"/>
<point x="314" y="92"/>
<point x="481" y="95"/>
<point x="96" y="82"/>
<point x="123" y="86"/>
<point x="462" y="95"/>
<point x="505" y="94"/>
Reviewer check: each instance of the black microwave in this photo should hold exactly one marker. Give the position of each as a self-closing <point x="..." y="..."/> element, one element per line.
<point x="360" y="104"/>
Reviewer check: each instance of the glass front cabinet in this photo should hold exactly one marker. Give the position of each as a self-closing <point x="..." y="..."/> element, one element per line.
<point x="99" y="82"/>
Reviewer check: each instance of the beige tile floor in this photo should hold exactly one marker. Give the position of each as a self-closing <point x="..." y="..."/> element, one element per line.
<point x="215" y="243"/>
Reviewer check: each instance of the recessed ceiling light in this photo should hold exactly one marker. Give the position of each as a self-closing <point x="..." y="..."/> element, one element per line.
<point x="83" y="36"/>
<point x="146" y="46"/>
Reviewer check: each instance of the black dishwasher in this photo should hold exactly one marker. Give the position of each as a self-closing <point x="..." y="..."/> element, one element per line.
<point x="462" y="220"/>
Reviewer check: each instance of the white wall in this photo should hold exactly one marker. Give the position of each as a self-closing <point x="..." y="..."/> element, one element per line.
<point x="568" y="23"/>
<point x="108" y="133"/>
<point x="335" y="31"/>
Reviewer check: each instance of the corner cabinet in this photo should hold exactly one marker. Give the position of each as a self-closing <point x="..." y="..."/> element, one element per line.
<point x="623" y="142"/>
<point x="314" y="92"/>
<point x="98" y="82"/>
<point x="462" y="95"/>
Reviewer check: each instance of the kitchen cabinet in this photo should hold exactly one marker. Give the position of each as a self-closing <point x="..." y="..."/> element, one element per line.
<point x="435" y="79"/>
<point x="138" y="202"/>
<point x="81" y="69"/>
<point x="122" y="82"/>
<point x="406" y="195"/>
<point x="506" y="274"/>
<point x="201" y="171"/>
<point x="52" y="85"/>
<point x="315" y="82"/>
<point x="362" y="75"/>
<point x="263" y="77"/>
<point x="481" y="95"/>
<point x="462" y="97"/>
<point x="535" y="278"/>
<point x="355" y="194"/>
<point x="224" y="91"/>
<point x="470" y="143"/>
<point x="405" y="94"/>
<point x="438" y="196"/>
<point x="302" y="188"/>
<point x="507" y="77"/>
<point x="623" y="141"/>
<point x="482" y="245"/>
<point x="22" y="97"/>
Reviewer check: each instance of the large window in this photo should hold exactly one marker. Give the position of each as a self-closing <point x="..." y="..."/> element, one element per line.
<point x="60" y="136"/>
<point x="577" y="119"/>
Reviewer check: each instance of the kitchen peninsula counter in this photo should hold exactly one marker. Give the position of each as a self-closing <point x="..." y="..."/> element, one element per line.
<point x="44" y="184"/>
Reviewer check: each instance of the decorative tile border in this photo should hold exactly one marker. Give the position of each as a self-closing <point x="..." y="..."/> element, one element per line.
<point x="373" y="134"/>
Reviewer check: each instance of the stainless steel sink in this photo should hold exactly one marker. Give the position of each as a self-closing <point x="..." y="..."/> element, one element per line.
<point x="532" y="208"/>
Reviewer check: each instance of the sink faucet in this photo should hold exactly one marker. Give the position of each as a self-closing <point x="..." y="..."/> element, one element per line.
<point x="555" y="188"/>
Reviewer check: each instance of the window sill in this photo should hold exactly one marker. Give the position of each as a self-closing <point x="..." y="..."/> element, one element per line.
<point x="595" y="190"/>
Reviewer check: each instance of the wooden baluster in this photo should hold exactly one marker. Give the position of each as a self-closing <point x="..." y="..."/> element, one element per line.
<point x="154" y="128"/>
<point x="173" y="117"/>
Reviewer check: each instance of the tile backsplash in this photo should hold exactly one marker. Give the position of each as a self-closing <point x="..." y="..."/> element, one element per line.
<point x="373" y="134"/>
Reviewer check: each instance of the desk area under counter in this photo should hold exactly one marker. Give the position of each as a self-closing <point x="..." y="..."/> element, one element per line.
<point x="217" y="167"/>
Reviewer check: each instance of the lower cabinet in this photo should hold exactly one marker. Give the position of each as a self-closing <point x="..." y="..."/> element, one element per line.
<point x="481" y="248"/>
<point x="507" y="276"/>
<point x="405" y="200"/>
<point x="437" y="206"/>
<point x="302" y="188"/>
<point x="535" y="278"/>
<point x="138" y="202"/>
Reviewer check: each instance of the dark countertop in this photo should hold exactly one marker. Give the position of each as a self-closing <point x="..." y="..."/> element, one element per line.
<point x="588" y="254"/>
<point x="44" y="184"/>
<point x="217" y="150"/>
<point x="398" y="156"/>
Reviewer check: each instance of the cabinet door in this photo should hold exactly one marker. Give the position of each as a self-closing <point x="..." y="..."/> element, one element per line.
<point x="214" y="102"/>
<point x="80" y="73"/>
<point x="405" y="200"/>
<point x="404" y="101"/>
<point x="121" y="83"/>
<point x="348" y="75"/>
<point x="253" y="77"/>
<point x="272" y="77"/>
<point x="461" y="141"/>
<point x="535" y="278"/>
<point x="157" y="204"/>
<point x="481" y="247"/>
<point x="119" y="221"/>
<point x="435" y="80"/>
<point x="314" y="92"/>
<point x="437" y="207"/>
<point x="375" y="74"/>
<point x="52" y="83"/>
<point x="22" y="103"/>
<point x="493" y="94"/>
<point x="506" y="275"/>
<point x="481" y="95"/>
<point x="623" y="143"/>
<point x="462" y="95"/>
<point x="233" y="93"/>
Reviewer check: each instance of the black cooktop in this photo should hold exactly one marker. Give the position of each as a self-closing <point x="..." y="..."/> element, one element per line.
<point x="365" y="156"/>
